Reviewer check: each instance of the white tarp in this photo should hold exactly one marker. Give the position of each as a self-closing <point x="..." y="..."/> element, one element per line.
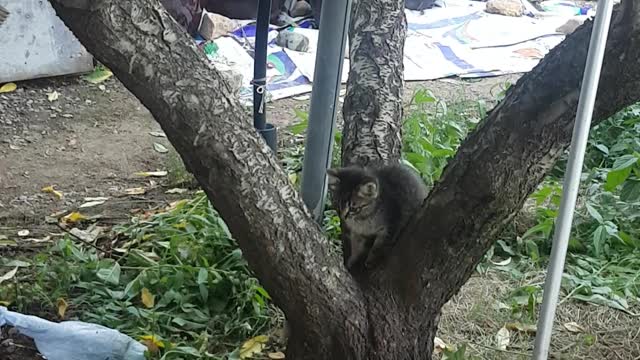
<point x="458" y="40"/>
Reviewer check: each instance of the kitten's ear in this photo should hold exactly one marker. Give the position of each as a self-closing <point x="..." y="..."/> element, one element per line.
<point x="333" y="178"/>
<point x="368" y="190"/>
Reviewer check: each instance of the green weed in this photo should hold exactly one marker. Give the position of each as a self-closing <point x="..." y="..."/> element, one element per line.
<point x="201" y="298"/>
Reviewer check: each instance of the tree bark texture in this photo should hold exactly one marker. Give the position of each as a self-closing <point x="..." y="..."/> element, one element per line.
<point x="373" y="103"/>
<point x="391" y="313"/>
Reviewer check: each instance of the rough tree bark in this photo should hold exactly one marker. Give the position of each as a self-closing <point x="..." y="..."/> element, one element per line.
<point x="393" y="312"/>
<point x="373" y="103"/>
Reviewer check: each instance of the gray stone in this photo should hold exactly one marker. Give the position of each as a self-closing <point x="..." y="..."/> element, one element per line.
<point x="505" y="7"/>
<point x="293" y="41"/>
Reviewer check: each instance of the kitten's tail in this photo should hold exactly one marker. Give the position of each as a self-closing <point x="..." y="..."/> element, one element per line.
<point x="4" y="14"/>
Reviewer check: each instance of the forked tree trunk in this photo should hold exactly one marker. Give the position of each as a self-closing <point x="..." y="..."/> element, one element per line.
<point x="391" y="313"/>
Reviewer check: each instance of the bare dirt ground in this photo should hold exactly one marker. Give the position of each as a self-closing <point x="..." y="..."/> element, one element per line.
<point x="92" y="140"/>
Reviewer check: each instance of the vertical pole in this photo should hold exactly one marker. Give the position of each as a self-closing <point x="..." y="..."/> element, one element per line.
<point x="267" y="131"/>
<point x="334" y="23"/>
<point x="260" y="64"/>
<point x="586" y="104"/>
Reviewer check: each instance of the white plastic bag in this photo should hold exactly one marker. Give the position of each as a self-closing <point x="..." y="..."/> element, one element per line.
<point x="74" y="340"/>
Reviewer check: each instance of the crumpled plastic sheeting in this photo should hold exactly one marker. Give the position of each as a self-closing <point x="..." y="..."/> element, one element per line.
<point x="74" y="340"/>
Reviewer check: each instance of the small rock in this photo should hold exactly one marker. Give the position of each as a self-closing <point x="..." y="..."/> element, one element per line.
<point x="301" y="8"/>
<point x="505" y="7"/>
<point x="214" y="25"/>
<point x="570" y="26"/>
<point x="293" y="41"/>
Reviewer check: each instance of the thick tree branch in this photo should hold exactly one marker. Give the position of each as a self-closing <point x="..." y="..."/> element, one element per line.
<point x="505" y="159"/>
<point x="373" y="104"/>
<point x="158" y="63"/>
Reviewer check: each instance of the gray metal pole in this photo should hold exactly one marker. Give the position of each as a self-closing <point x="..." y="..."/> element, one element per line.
<point x="334" y="23"/>
<point x="586" y="103"/>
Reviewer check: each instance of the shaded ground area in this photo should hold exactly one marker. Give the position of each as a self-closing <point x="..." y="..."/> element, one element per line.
<point x="90" y="141"/>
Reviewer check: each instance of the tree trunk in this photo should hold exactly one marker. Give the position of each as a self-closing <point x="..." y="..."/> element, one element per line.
<point x="373" y="104"/>
<point x="391" y="313"/>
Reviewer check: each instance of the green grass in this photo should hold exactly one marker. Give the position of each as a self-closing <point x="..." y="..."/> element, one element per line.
<point x="205" y="299"/>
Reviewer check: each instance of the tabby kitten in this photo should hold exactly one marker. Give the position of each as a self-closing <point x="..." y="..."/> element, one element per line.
<point x="374" y="204"/>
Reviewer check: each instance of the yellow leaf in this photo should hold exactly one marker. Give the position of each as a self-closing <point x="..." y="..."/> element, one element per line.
<point x="147" y="298"/>
<point x="74" y="217"/>
<point x="253" y="346"/>
<point x="276" y="355"/>
<point x="293" y="177"/>
<point x="62" y="307"/>
<point x="152" y="343"/>
<point x="8" y="87"/>
<point x="51" y="190"/>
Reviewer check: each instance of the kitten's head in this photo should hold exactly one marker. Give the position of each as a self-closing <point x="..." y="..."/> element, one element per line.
<point x="354" y="191"/>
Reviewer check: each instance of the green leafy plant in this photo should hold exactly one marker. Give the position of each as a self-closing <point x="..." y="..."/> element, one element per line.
<point x="432" y="132"/>
<point x="177" y="277"/>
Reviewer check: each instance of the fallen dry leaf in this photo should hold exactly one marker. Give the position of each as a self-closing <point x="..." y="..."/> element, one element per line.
<point x="135" y="191"/>
<point x="574" y="327"/>
<point x="8" y="87"/>
<point x="253" y="346"/>
<point x="62" y="307"/>
<point x="98" y="198"/>
<point x="74" y="217"/>
<point x="152" y="173"/>
<point x="523" y="328"/>
<point x="501" y="263"/>
<point x="503" y="338"/>
<point x="53" y="96"/>
<point x="176" y="191"/>
<point x="152" y="343"/>
<point x="86" y="235"/>
<point x="439" y="345"/>
<point x="92" y="204"/>
<point x="9" y="275"/>
<point x="276" y="355"/>
<point x="160" y="148"/>
<point x="50" y="189"/>
<point x="157" y="134"/>
<point x="147" y="298"/>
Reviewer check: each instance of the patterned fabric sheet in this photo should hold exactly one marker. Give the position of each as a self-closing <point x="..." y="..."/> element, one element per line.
<point x="460" y="39"/>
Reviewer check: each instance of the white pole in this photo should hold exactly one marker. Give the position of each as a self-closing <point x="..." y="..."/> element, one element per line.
<point x="572" y="178"/>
